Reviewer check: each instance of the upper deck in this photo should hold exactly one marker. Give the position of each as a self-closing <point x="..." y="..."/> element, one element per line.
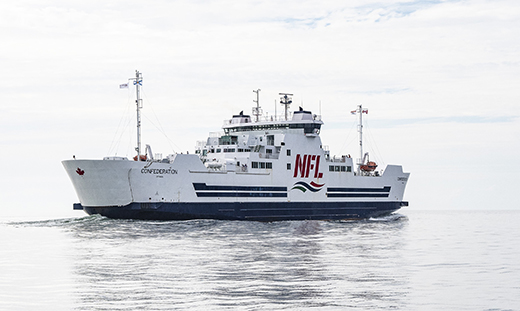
<point x="311" y="124"/>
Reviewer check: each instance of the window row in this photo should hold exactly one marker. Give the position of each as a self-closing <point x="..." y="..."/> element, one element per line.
<point x="308" y="127"/>
<point x="268" y="165"/>
<point x="340" y="168"/>
<point x="225" y="150"/>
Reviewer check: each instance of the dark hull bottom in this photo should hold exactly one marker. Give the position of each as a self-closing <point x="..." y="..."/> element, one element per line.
<point x="258" y="211"/>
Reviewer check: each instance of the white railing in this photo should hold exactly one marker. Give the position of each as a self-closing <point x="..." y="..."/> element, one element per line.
<point x="341" y="159"/>
<point x="216" y="134"/>
<point x="268" y="155"/>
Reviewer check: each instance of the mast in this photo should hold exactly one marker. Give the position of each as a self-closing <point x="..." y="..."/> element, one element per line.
<point x="138" y="82"/>
<point x="275" y="112"/>
<point x="256" y="110"/>
<point x="360" y="130"/>
<point x="286" y="101"/>
<point x="360" y="111"/>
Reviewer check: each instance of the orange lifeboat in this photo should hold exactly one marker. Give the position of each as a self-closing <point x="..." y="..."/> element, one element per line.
<point x="369" y="167"/>
<point x="142" y="157"/>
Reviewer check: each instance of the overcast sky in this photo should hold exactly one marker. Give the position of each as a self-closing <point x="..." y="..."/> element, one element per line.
<point x="441" y="80"/>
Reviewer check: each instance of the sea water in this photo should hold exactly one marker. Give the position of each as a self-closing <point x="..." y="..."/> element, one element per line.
<point x="412" y="260"/>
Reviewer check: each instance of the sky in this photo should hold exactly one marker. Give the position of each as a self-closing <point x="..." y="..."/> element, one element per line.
<point x="441" y="81"/>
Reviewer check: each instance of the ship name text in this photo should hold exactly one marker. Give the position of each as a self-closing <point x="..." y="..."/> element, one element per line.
<point x="158" y="171"/>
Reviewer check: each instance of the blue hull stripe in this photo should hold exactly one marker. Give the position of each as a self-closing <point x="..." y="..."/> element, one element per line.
<point x="257" y="211"/>
<point x="336" y="189"/>
<point x="241" y="194"/>
<point x="203" y="186"/>
<point x="211" y="191"/>
<point x="357" y="195"/>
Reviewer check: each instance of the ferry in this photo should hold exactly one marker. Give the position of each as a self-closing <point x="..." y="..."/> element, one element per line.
<point x="256" y="168"/>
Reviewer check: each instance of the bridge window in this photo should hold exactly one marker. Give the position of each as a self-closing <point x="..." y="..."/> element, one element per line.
<point x="270" y="140"/>
<point x="228" y="140"/>
<point x="337" y="168"/>
<point x="266" y="165"/>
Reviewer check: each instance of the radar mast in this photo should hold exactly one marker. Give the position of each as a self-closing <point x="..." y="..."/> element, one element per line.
<point x="257" y="111"/>
<point x="138" y="82"/>
<point x="286" y="101"/>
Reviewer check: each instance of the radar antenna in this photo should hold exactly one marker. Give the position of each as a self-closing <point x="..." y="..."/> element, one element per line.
<point x="286" y="101"/>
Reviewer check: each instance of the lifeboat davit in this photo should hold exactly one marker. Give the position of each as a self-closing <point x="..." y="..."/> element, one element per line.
<point x="142" y="157"/>
<point x="369" y="167"/>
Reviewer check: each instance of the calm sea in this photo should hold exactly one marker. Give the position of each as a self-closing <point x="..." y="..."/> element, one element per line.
<point x="414" y="260"/>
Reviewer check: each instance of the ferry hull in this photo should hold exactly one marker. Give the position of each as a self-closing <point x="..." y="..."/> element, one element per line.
<point x="260" y="211"/>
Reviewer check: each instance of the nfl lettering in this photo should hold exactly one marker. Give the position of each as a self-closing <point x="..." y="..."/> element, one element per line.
<point x="303" y="166"/>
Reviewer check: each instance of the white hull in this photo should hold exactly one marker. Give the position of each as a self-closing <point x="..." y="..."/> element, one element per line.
<point x="266" y="170"/>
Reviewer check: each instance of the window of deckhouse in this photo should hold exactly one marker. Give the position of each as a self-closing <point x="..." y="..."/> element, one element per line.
<point x="270" y="140"/>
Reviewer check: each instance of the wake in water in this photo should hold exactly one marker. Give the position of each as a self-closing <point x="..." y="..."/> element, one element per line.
<point x="389" y="218"/>
<point x="305" y="226"/>
<point x="61" y="222"/>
